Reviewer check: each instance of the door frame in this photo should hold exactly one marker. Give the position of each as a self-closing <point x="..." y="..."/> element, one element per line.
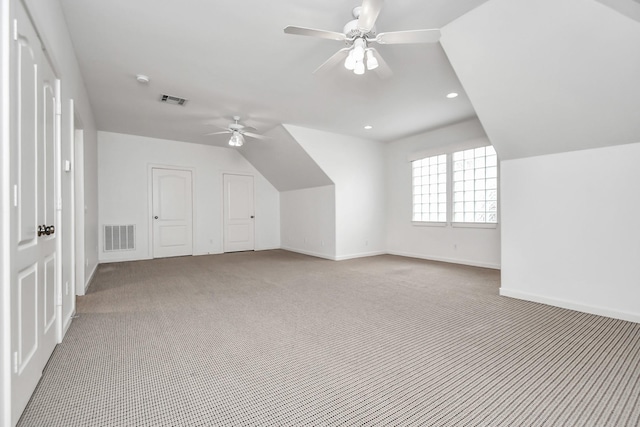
<point x="5" y="215"/>
<point x="150" y="168"/>
<point x="78" y="203"/>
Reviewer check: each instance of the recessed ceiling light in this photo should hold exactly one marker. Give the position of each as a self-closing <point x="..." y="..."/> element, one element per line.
<point x="452" y="95"/>
<point x="141" y="78"/>
<point x="367" y="127"/>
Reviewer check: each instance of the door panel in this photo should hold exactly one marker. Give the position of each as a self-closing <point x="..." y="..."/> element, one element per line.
<point x="25" y="89"/>
<point x="34" y="141"/>
<point x="172" y="213"/>
<point x="238" y="213"/>
<point x="27" y="326"/>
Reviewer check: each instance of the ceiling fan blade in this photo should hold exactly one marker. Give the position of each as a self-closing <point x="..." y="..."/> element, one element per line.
<point x="337" y="57"/>
<point x="255" y="135"/>
<point x="323" y="34"/>
<point x="218" y="133"/>
<point x="383" y="71"/>
<point x="369" y="14"/>
<point x="411" y="36"/>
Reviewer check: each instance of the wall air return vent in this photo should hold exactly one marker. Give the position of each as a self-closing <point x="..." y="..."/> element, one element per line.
<point x="172" y="100"/>
<point x="119" y="238"/>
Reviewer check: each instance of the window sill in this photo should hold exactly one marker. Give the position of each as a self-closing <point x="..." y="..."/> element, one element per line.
<point x="474" y="225"/>
<point x="428" y="224"/>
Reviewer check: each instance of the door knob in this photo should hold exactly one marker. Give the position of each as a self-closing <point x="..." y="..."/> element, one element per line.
<point x="41" y="230"/>
<point x="156" y="217"/>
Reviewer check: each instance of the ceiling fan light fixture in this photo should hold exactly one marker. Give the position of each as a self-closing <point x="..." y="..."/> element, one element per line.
<point x="358" y="49"/>
<point x="359" y="68"/>
<point x="350" y="62"/>
<point x="237" y="140"/>
<point x="372" y="62"/>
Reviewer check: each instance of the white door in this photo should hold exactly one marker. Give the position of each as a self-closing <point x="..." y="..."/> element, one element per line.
<point x="172" y="213"/>
<point x="34" y="139"/>
<point x="238" y="213"/>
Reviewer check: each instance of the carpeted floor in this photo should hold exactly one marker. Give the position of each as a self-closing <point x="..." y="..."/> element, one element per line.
<point x="279" y="339"/>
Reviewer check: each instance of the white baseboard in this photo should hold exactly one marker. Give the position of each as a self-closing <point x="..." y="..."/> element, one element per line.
<point x="88" y="282"/>
<point x="360" y="255"/>
<point x="449" y="260"/>
<point x="591" y="309"/>
<point x="67" y="323"/>
<point x="310" y="253"/>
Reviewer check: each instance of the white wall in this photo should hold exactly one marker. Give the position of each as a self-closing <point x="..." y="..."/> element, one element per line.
<point x="308" y="221"/>
<point x="356" y="166"/>
<point x="571" y="234"/>
<point x="123" y="171"/>
<point x="473" y="246"/>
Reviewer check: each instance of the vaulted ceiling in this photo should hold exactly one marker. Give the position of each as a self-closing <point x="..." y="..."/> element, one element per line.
<point x="231" y="57"/>
<point x="542" y="76"/>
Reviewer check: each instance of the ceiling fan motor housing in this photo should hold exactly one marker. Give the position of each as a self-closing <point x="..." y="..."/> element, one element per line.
<point x="352" y="31"/>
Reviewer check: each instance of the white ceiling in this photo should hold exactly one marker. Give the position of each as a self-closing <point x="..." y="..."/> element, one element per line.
<point x="575" y="85"/>
<point x="231" y="57"/>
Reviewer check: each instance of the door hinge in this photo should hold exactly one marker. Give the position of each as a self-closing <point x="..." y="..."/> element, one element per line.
<point x="15" y="362"/>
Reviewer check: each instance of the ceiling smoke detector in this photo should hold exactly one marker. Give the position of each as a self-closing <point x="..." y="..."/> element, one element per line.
<point x="141" y="78"/>
<point x="173" y="100"/>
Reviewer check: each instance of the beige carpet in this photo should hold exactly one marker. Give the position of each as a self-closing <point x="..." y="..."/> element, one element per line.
<point x="280" y="339"/>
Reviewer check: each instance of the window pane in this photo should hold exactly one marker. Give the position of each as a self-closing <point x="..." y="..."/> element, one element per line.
<point x="430" y="189"/>
<point x="468" y="164"/>
<point x="477" y="174"/>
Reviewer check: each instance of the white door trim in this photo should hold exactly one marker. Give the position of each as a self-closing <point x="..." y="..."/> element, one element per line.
<point x="150" y="168"/>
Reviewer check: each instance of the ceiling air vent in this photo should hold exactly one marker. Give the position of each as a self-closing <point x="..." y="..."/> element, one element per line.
<point x="173" y="100"/>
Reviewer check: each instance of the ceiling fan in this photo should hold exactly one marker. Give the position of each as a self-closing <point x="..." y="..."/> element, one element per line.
<point x="358" y="34"/>
<point x="238" y="132"/>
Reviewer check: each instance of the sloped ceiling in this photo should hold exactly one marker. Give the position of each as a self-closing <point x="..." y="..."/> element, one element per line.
<point x="283" y="162"/>
<point x="549" y="76"/>
<point x="232" y="58"/>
